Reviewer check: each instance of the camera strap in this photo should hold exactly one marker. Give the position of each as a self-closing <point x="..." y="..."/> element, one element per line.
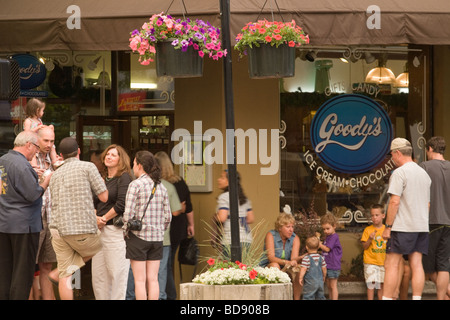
<point x="151" y="197"/>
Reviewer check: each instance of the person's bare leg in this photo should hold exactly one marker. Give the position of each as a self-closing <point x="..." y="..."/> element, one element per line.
<point x="152" y="267"/>
<point x="47" y="292"/>
<point x="441" y="279"/>
<point x="418" y="275"/>
<point x="140" y="284"/>
<point x="65" y="288"/>
<point x="333" y="292"/>
<point x="391" y="266"/>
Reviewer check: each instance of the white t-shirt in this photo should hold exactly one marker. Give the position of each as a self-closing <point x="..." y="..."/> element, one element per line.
<point x="223" y="202"/>
<point x="412" y="184"/>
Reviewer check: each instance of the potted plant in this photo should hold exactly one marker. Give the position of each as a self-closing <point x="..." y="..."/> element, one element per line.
<point x="177" y="45"/>
<point x="223" y="272"/>
<point x="270" y="47"/>
<point x="245" y="279"/>
<point x="225" y="280"/>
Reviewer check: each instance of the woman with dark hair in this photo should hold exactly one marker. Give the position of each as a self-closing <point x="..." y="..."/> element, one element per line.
<point x="246" y="216"/>
<point x="146" y="201"/>
<point x="182" y="225"/>
<point x="109" y="265"/>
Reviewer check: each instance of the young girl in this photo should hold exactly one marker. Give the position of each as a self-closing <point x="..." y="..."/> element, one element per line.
<point x="332" y="251"/>
<point x="246" y="216"/>
<point x="34" y="112"/>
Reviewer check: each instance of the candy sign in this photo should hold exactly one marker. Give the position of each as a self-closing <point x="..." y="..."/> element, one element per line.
<point x="351" y="133"/>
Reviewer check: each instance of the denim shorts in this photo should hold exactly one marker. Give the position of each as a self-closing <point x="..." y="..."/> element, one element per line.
<point x="333" y="274"/>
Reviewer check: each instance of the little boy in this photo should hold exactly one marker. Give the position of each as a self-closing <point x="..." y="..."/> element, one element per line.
<point x="313" y="271"/>
<point x="374" y="252"/>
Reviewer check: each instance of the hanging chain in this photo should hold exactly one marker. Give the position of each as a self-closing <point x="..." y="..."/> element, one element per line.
<point x="183" y="5"/>
<point x="271" y="10"/>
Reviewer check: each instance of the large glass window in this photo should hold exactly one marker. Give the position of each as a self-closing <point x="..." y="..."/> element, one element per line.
<point x="393" y="77"/>
<point x="82" y="83"/>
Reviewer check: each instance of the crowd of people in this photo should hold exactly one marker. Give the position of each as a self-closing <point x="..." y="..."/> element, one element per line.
<point x="407" y="243"/>
<point x="129" y="217"/>
<point x="58" y="210"/>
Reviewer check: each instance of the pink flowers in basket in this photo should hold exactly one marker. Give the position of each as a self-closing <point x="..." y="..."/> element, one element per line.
<point x="202" y="36"/>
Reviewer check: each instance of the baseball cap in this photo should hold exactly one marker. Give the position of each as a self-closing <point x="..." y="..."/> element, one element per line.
<point x="399" y="143"/>
<point x="68" y="145"/>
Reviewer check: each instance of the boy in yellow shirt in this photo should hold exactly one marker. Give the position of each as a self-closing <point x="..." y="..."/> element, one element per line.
<point x="374" y="252"/>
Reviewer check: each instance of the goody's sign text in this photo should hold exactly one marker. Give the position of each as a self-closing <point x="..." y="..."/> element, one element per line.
<point x="351" y="133"/>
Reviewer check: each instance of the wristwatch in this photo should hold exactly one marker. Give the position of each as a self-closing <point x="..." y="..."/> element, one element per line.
<point x="389" y="226"/>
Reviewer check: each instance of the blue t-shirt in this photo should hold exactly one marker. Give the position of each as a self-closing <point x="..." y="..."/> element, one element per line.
<point x="20" y="195"/>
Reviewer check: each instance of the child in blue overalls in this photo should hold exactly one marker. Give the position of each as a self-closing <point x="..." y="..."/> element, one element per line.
<point x="313" y="271"/>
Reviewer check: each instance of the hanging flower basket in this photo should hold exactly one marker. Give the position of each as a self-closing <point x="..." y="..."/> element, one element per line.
<point x="186" y="36"/>
<point x="270" y="47"/>
<point x="267" y="61"/>
<point x="177" y="63"/>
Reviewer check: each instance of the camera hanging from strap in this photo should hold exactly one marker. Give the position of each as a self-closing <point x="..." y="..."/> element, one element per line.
<point x="135" y="224"/>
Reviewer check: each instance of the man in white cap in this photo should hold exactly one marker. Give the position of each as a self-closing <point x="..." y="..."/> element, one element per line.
<point x="406" y="220"/>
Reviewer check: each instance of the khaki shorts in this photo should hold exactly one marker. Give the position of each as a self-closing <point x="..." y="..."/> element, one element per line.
<point x="70" y="251"/>
<point x="46" y="254"/>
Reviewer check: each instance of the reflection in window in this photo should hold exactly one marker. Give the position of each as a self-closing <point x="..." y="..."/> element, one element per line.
<point x="324" y="76"/>
<point x="140" y="89"/>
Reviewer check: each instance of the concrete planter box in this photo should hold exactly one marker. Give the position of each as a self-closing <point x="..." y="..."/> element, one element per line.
<point x="195" y="291"/>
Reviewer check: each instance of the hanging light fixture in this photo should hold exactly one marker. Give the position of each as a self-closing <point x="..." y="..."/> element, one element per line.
<point x="369" y="57"/>
<point x="311" y="56"/>
<point x="402" y="81"/>
<point x="381" y="74"/>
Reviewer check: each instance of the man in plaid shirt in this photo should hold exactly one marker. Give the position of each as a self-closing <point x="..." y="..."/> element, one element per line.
<point x="73" y="225"/>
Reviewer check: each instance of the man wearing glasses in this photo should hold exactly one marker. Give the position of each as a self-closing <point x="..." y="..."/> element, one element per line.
<point x="20" y="217"/>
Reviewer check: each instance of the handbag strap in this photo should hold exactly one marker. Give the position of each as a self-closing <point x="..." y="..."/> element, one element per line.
<point x="151" y="197"/>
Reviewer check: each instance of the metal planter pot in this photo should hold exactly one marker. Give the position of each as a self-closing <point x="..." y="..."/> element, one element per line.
<point x="268" y="61"/>
<point x="176" y="63"/>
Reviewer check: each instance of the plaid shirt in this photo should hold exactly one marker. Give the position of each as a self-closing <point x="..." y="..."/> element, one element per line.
<point x="71" y="187"/>
<point x="158" y="215"/>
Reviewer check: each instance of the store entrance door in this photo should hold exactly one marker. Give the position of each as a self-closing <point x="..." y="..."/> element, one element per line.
<point x="96" y="133"/>
<point x="133" y="132"/>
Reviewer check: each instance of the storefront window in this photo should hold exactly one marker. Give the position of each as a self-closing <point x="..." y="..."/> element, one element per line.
<point x="140" y="89"/>
<point x="75" y="83"/>
<point x="310" y="183"/>
<point x="81" y="83"/>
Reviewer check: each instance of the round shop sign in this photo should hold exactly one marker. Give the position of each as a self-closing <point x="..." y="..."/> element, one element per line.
<point x="32" y="71"/>
<point x="351" y="133"/>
